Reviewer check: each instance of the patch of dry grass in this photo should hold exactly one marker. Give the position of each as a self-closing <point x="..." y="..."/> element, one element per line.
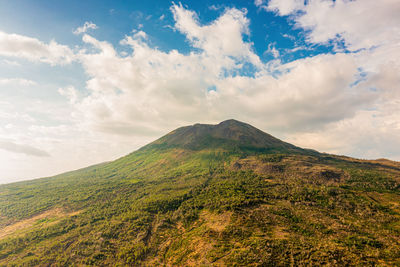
<point x="54" y="214"/>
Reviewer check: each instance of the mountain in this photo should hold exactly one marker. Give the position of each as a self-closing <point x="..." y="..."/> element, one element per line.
<point x="226" y="194"/>
<point x="228" y="134"/>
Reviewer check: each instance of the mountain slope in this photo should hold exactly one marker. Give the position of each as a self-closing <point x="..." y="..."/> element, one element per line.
<point x="208" y="194"/>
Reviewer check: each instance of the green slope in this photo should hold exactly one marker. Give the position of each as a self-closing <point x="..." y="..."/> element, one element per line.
<point x="221" y="194"/>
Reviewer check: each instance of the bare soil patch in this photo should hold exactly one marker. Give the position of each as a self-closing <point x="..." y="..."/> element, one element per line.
<point x="56" y="213"/>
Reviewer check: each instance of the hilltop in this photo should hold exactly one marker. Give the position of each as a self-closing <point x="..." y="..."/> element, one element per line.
<point x="229" y="135"/>
<point x="225" y="194"/>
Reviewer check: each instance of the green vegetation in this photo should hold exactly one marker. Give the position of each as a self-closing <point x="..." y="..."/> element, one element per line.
<point x="179" y="201"/>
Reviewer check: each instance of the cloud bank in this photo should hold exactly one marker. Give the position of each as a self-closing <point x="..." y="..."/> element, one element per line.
<point x="149" y="90"/>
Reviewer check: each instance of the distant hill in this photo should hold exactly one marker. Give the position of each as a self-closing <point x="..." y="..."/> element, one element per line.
<point x="211" y="195"/>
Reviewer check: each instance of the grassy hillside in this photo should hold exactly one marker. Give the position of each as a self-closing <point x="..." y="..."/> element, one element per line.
<point x="211" y="195"/>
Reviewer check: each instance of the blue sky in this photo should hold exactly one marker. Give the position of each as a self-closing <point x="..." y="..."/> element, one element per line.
<point x="83" y="82"/>
<point x="49" y="20"/>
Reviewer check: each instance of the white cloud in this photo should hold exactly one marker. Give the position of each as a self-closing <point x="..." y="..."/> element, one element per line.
<point x="222" y="39"/>
<point x="11" y="62"/>
<point x="150" y="91"/>
<point x="291" y="37"/>
<point x="16" y="81"/>
<point x="140" y="35"/>
<point x="15" y="115"/>
<point x="9" y="126"/>
<point x="19" y="46"/>
<point x="70" y="92"/>
<point x="86" y="26"/>
<point x="259" y="2"/>
<point x="370" y="30"/>
<point x="22" y="148"/>
<point x="369" y="134"/>
<point x="215" y="7"/>
<point x="360" y="24"/>
<point x="284" y="7"/>
<point x="272" y="50"/>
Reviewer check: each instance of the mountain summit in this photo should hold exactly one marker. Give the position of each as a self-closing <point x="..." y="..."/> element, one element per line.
<point x="229" y="134"/>
<point x="208" y="195"/>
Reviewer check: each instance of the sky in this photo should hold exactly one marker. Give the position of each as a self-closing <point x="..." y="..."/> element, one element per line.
<point x="83" y="82"/>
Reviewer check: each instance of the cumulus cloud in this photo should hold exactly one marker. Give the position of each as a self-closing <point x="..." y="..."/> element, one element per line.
<point x="22" y="148"/>
<point x="85" y="27"/>
<point x="16" y="81"/>
<point x="150" y="91"/>
<point x="14" y="115"/>
<point x="283" y="8"/>
<point x="135" y="93"/>
<point x="369" y="30"/>
<point x="70" y="92"/>
<point x="222" y="39"/>
<point x="19" y="46"/>
<point x="368" y="134"/>
<point x="360" y="24"/>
